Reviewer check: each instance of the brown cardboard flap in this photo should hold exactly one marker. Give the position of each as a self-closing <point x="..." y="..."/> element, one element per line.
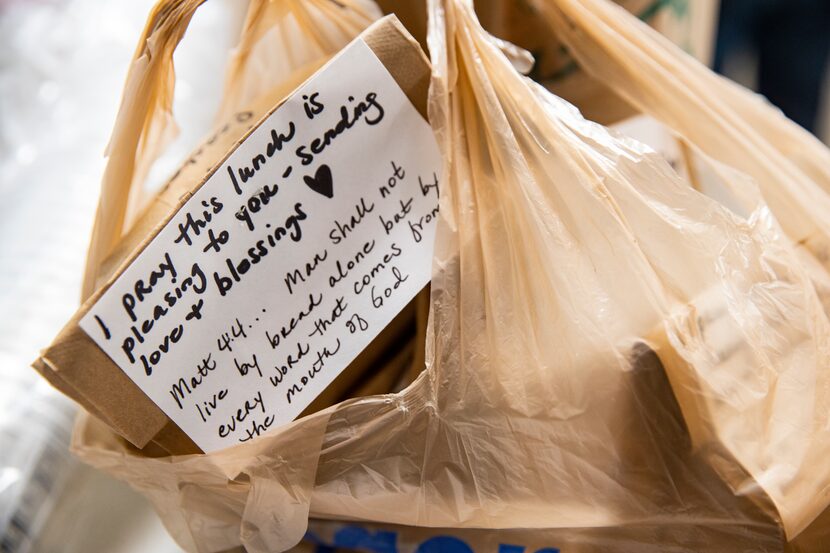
<point x="92" y="379"/>
<point x="403" y="58"/>
<point x="81" y="370"/>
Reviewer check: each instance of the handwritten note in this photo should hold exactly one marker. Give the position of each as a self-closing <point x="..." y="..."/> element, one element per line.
<point x="300" y="248"/>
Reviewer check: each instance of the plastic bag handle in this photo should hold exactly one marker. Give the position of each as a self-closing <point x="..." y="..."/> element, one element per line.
<point x="139" y="133"/>
<point x="145" y="125"/>
<point x="258" y="22"/>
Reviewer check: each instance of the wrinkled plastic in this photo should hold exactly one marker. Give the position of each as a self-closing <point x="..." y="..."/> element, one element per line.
<point x="302" y="32"/>
<point x="734" y="129"/>
<point x="721" y="119"/>
<point x="567" y="259"/>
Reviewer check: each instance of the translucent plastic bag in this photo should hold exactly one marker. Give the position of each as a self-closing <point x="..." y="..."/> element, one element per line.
<point x="565" y="255"/>
<point x="719" y="118"/>
<point x="732" y="128"/>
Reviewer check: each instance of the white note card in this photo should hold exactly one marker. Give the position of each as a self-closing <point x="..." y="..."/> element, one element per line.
<point x="301" y="247"/>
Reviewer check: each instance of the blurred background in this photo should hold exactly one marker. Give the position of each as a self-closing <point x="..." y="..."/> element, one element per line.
<point x="780" y="49"/>
<point x="62" y="66"/>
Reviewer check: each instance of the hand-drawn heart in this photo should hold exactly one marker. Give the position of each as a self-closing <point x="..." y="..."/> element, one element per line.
<point x="321" y="181"/>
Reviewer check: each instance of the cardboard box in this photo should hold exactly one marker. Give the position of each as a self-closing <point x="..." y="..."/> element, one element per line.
<point x="75" y="365"/>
